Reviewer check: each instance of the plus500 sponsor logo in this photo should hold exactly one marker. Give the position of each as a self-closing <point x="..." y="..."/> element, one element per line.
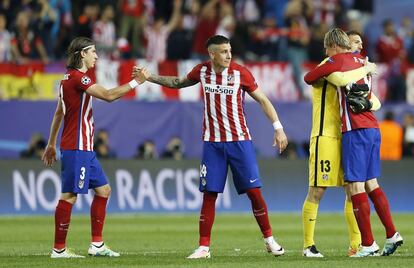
<point x="219" y="89"/>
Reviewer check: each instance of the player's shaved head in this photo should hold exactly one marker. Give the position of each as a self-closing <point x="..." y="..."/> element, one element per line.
<point x="216" y="40"/>
<point x="337" y="37"/>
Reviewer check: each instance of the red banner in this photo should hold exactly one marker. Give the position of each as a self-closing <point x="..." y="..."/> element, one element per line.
<point x="274" y="78"/>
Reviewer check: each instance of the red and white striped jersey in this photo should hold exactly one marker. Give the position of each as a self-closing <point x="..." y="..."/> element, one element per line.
<point x="104" y="36"/>
<point x="78" y="127"/>
<point x="224" y="118"/>
<point x="341" y="63"/>
<point x="156" y="43"/>
<point x="351" y="121"/>
<point x="324" y="12"/>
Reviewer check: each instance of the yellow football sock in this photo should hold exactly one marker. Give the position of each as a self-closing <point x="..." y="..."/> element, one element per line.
<point x="309" y="214"/>
<point x="353" y="230"/>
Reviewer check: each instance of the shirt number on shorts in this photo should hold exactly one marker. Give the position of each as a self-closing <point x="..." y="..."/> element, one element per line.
<point x="325" y="166"/>
<point x="203" y="171"/>
<point x="82" y="173"/>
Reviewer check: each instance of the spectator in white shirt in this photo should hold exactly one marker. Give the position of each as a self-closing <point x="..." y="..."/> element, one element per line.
<point x="5" y="39"/>
<point x="158" y="33"/>
<point x="104" y="33"/>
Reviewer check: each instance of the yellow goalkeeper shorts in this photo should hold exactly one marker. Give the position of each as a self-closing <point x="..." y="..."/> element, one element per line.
<point x="325" y="168"/>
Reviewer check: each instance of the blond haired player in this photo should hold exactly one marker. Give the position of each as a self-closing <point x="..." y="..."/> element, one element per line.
<point x="360" y="145"/>
<point x="325" y="168"/>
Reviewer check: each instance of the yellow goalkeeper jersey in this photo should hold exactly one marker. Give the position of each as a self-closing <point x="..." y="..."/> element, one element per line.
<point x="326" y="119"/>
<point x="325" y="109"/>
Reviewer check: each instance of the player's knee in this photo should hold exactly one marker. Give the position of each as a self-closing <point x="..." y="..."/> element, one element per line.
<point x="107" y="191"/>
<point x="357" y="187"/>
<point x="371" y="185"/>
<point x="104" y="191"/>
<point x="69" y="197"/>
<point x="315" y="194"/>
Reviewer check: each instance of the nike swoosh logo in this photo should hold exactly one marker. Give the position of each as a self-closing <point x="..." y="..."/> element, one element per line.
<point x="312" y="219"/>
<point x="251" y="181"/>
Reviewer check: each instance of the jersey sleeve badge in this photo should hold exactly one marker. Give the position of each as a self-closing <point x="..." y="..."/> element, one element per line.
<point x="85" y="80"/>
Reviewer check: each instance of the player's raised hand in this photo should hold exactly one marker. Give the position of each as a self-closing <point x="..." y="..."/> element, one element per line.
<point x="280" y="140"/>
<point x="49" y="156"/>
<point x="370" y="66"/>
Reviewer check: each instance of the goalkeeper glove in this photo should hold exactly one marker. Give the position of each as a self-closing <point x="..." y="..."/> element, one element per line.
<point x="357" y="90"/>
<point x="358" y="104"/>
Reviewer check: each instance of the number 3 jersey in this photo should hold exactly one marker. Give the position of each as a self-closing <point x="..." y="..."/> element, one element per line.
<point x="224" y="119"/>
<point x="78" y="127"/>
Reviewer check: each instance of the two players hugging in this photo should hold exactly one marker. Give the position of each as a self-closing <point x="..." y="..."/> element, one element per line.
<point x="357" y="97"/>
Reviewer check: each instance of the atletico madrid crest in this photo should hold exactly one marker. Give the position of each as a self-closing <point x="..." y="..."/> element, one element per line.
<point x="81" y="184"/>
<point x="230" y="79"/>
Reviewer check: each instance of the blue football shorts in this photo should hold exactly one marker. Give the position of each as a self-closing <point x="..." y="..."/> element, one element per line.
<point x="361" y="154"/>
<point x="240" y="156"/>
<point x="81" y="171"/>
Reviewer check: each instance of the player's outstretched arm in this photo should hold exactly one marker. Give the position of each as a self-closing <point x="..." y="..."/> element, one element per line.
<point x="280" y="140"/>
<point x="325" y="68"/>
<point x="112" y="94"/>
<point x="343" y="78"/>
<point x="49" y="156"/>
<point x="168" y="81"/>
<point x="171" y="81"/>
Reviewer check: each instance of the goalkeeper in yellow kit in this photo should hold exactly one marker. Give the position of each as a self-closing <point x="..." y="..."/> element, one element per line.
<point x="325" y="168"/>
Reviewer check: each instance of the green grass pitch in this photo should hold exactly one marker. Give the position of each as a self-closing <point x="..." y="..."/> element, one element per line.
<point x="153" y="240"/>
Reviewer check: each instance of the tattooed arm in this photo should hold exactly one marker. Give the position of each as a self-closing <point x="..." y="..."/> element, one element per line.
<point x="168" y="81"/>
<point x="171" y="81"/>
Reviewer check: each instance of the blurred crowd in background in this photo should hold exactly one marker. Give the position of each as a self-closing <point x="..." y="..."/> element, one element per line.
<point x="260" y="30"/>
<point x="158" y="30"/>
<point x="147" y="150"/>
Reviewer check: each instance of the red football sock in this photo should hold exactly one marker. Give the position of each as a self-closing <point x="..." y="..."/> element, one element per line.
<point x="207" y="214"/>
<point x="98" y="212"/>
<point x="382" y="207"/>
<point x="260" y="211"/>
<point x="62" y="220"/>
<point x="362" y="212"/>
